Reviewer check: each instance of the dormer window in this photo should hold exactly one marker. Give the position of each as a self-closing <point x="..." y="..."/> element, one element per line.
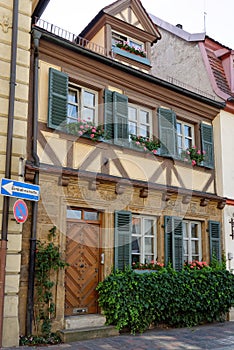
<point x="122" y="39"/>
<point x="126" y="45"/>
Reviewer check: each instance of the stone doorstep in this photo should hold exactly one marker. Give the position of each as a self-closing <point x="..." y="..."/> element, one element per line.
<point x="84" y="321"/>
<point x="86" y="333"/>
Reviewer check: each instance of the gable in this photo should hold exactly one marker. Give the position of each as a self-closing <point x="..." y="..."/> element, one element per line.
<point x="133" y="13"/>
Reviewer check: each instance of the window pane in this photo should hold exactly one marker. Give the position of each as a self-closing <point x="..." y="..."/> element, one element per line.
<point x="132" y="128"/>
<point x="148" y="258"/>
<point x="195" y="247"/>
<point x="187" y="131"/>
<point x="188" y="143"/>
<point x="135" y="45"/>
<point x="72" y="96"/>
<point x="135" y="258"/>
<point x="89" y="99"/>
<point x="185" y="244"/>
<point x="74" y="214"/>
<point x="194" y="231"/>
<point x="148" y="227"/>
<point x="72" y="111"/>
<point x="179" y="138"/>
<point x="149" y="244"/>
<point x="144" y="117"/>
<point x="144" y="131"/>
<point x="179" y="128"/>
<point x="88" y="115"/>
<point x="136" y="243"/>
<point x="136" y="226"/>
<point x="132" y="113"/>
<point x="91" y="215"/>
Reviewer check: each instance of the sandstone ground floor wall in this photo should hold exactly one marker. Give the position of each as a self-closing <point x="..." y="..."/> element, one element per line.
<point x="106" y="198"/>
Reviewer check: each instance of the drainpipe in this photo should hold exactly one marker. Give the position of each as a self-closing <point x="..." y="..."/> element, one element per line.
<point x="33" y="240"/>
<point x="6" y="200"/>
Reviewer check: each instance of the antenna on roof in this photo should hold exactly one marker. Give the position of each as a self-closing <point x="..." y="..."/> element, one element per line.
<point x="204" y="13"/>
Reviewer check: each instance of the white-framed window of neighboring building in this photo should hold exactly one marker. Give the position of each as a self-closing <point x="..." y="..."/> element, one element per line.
<point x="144" y="238"/>
<point x="185" y="135"/>
<point x="192" y="247"/>
<point x="81" y="104"/>
<point x="120" y="38"/>
<point x="139" y="120"/>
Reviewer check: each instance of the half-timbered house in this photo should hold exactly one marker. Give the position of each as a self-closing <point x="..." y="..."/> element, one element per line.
<point x="107" y="143"/>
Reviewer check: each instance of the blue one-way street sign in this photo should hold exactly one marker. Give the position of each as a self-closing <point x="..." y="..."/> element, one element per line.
<point x="19" y="189"/>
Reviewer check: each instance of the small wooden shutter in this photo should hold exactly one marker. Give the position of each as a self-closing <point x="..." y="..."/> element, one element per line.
<point x="167" y="132"/>
<point x="207" y="144"/>
<point x="174" y="241"/>
<point x="121" y="119"/>
<point x="57" y="100"/>
<point x="123" y="231"/>
<point x="215" y="240"/>
<point x="109" y="117"/>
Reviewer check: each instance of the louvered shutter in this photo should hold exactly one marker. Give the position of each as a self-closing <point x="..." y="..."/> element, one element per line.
<point x="174" y="241"/>
<point x="207" y="144"/>
<point x="167" y="132"/>
<point x="215" y="240"/>
<point x="121" y="119"/>
<point x="57" y="99"/>
<point x="123" y="229"/>
<point x="109" y="117"/>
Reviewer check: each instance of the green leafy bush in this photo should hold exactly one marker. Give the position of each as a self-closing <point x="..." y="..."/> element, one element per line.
<point x="176" y="298"/>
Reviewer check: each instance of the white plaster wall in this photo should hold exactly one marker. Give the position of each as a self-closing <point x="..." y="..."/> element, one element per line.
<point x="173" y="57"/>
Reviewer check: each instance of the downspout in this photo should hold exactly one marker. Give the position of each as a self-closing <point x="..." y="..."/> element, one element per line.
<point x="6" y="200"/>
<point x="31" y="272"/>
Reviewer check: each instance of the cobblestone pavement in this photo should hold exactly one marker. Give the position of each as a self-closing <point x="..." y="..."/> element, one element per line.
<point x="219" y="336"/>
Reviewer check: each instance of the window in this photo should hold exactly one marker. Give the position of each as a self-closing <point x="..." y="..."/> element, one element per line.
<point x="81" y="104"/>
<point x="139" y="121"/>
<point x="119" y="38"/>
<point x="123" y="119"/>
<point x="183" y="241"/>
<point x="135" y="239"/>
<point x="176" y="135"/>
<point x="185" y="136"/>
<point x="192" y="240"/>
<point x="69" y="102"/>
<point x="143" y="239"/>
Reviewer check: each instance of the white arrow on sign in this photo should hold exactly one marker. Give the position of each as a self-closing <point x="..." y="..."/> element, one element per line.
<point x="10" y="188"/>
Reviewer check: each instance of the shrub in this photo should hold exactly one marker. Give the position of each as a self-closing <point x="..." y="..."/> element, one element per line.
<point x="176" y="298"/>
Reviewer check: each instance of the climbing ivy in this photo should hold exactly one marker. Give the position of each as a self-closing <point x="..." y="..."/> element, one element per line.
<point x="48" y="261"/>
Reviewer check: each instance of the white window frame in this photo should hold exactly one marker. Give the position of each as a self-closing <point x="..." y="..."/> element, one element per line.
<point x="187" y="224"/>
<point x="141" y="236"/>
<point x="80" y="104"/>
<point x="192" y="138"/>
<point x="116" y="36"/>
<point x="138" y="123"/>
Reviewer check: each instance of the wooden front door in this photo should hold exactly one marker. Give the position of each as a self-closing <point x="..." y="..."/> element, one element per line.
<point x="82" y="274"/>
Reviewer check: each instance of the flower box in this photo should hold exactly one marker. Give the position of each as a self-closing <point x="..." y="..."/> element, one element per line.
<point x="145" y="271"/>
<point x="130" y="55"/>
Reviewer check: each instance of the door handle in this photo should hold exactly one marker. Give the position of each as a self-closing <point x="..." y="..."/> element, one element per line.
<point x="102" y="258"/>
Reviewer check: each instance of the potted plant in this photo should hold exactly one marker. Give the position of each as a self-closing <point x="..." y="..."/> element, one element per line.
<point x="87" y="129"/>
<point x="151" y="266"/>
<point x="135" y="50"/>
<point x="193" y="155"/>
<point x="146" y="143"/>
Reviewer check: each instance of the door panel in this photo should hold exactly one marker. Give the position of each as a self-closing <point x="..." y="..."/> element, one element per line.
<point x="82" y="255"/>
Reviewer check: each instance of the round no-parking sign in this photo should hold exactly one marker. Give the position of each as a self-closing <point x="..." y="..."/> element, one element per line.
<point x="20" y="210"/>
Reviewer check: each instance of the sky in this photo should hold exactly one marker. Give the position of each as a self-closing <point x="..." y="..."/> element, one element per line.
<point x="214" y="17"/>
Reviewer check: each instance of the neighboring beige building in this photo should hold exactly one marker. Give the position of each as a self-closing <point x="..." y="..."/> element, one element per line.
<point x="199" y="63"/>
<point x="14" y="92"/>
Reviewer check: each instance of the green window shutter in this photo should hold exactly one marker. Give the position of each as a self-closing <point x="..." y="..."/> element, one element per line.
<point x="108" y="111"/>
<point x="123" y="231"/>
<point x="207" y="144"/>
<point x="215" y="240"/>
<point x="57" y="100"/>
<point x="167" y="132"/>
<point x="120" y="119"/>
<point x="174" y="241"/>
